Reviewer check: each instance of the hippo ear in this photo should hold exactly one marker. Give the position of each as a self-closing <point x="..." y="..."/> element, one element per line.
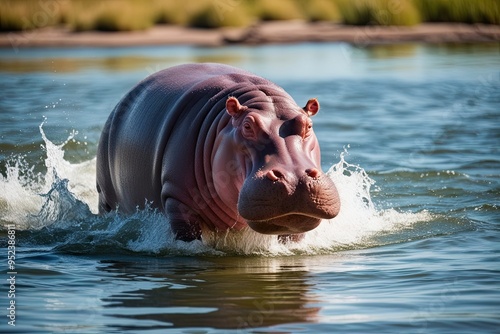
<point x="312" y="107"/>
<point x="233" y="107"/>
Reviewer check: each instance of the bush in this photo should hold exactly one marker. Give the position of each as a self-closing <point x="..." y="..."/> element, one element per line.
<point x="110" y="15"/>
<point x="115" y="15"/>
<point x="379" y="12"/>
<point x="320" y="10"/>
<point x="17" y="15"/>
<point x="277" y="10"/>
<point x="477" y="11"/>
<point x="212" y="16"/>
<point x="169" y="12"/>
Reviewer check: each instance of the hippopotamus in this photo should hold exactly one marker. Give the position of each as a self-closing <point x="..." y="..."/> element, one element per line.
<point x="215" y="148"/>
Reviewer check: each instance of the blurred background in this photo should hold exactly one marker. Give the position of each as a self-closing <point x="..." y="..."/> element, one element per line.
<point x="127" y="15"/>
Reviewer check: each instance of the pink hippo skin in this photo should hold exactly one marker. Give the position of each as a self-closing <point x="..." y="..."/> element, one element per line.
<point x="215" y="148"/>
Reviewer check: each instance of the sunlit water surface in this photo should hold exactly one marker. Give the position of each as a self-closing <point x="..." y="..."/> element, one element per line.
<point x="409" y="133"/>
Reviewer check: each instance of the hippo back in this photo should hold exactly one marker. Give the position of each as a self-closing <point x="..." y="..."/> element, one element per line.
<point x="153" y="139"/>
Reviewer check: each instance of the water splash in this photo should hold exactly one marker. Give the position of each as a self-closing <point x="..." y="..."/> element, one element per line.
<point x="19" y="190"/>
<point x="82" y="175"/>
<point x="359" y="221"/>
<point x="60" y="205"/>
<point x="358" y="225"/>
<point x="58" y="209"/>
<point x="34" y="200"/>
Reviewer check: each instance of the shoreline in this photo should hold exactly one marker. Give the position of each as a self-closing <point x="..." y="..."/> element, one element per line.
<point x="276" y="32"/>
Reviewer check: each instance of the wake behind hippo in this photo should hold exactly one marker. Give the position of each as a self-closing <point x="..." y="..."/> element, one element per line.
<point x="215" y="148"/>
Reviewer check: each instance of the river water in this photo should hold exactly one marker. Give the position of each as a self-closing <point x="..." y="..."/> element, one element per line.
<point x="409" y="133"/>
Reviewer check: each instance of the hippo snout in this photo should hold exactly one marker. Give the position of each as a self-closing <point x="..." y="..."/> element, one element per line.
<point x="280" y="202"/>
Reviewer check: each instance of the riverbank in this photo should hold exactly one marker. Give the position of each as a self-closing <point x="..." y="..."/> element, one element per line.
<point x="262" y="33"/>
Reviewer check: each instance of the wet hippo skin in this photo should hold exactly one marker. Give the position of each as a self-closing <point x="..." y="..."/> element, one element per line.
<point x="215" y="148"/>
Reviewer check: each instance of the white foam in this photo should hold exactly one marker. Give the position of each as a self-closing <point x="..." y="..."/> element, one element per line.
<point x="65" y="198"/>
<point x="24" y="195"/>
<point x="19" y="193"/>
<point x="81" y="175"/>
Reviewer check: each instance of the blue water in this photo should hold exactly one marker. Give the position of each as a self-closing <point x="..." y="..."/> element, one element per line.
<point x="410" y="134"/>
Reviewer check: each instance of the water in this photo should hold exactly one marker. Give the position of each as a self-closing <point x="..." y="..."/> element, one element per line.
<point x="409" y="133"/>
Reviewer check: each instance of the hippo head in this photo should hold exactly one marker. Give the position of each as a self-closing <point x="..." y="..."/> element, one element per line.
<point x="282" y="189"/>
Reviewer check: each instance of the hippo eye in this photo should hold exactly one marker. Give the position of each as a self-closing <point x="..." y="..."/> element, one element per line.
<point x="248" y="128"/>
<point x="308" y="129"/>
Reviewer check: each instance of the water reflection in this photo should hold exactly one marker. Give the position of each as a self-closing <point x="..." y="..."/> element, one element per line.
<point x="222" y="293"/>
<point x="392" y="51"/>
<point x="111" y="64"/>
<point x="68" y="65"/>
<point x="303" y="62"/>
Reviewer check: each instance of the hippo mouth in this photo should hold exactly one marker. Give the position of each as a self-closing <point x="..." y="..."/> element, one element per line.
<point x="287" y="224"/>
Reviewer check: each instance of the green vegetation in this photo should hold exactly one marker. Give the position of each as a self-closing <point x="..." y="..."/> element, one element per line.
<point x="465" y="11"/>
<point x="211" y="16"/>
<point x="379" y="12"/>
<point x="109" y="15"/>
<point x="277" y="10"/>
<point x="320" y="10"/>
<point x="125" y="15"/>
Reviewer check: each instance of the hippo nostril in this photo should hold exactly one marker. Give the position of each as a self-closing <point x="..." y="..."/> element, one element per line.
<point x="312" y="172"/>
<point x="274" y="175"/>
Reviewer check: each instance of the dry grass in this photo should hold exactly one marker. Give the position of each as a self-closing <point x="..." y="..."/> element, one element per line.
<point x="213" y="16"/>
<point x="466" y="11"/>
<point x="320" y="10"/>
<point x="109" y="15"/>
<point x="28" y="14"/>
<point x="379" y="12"/>
<point x="277" y="10"/>
<point x="117" y="15"/>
